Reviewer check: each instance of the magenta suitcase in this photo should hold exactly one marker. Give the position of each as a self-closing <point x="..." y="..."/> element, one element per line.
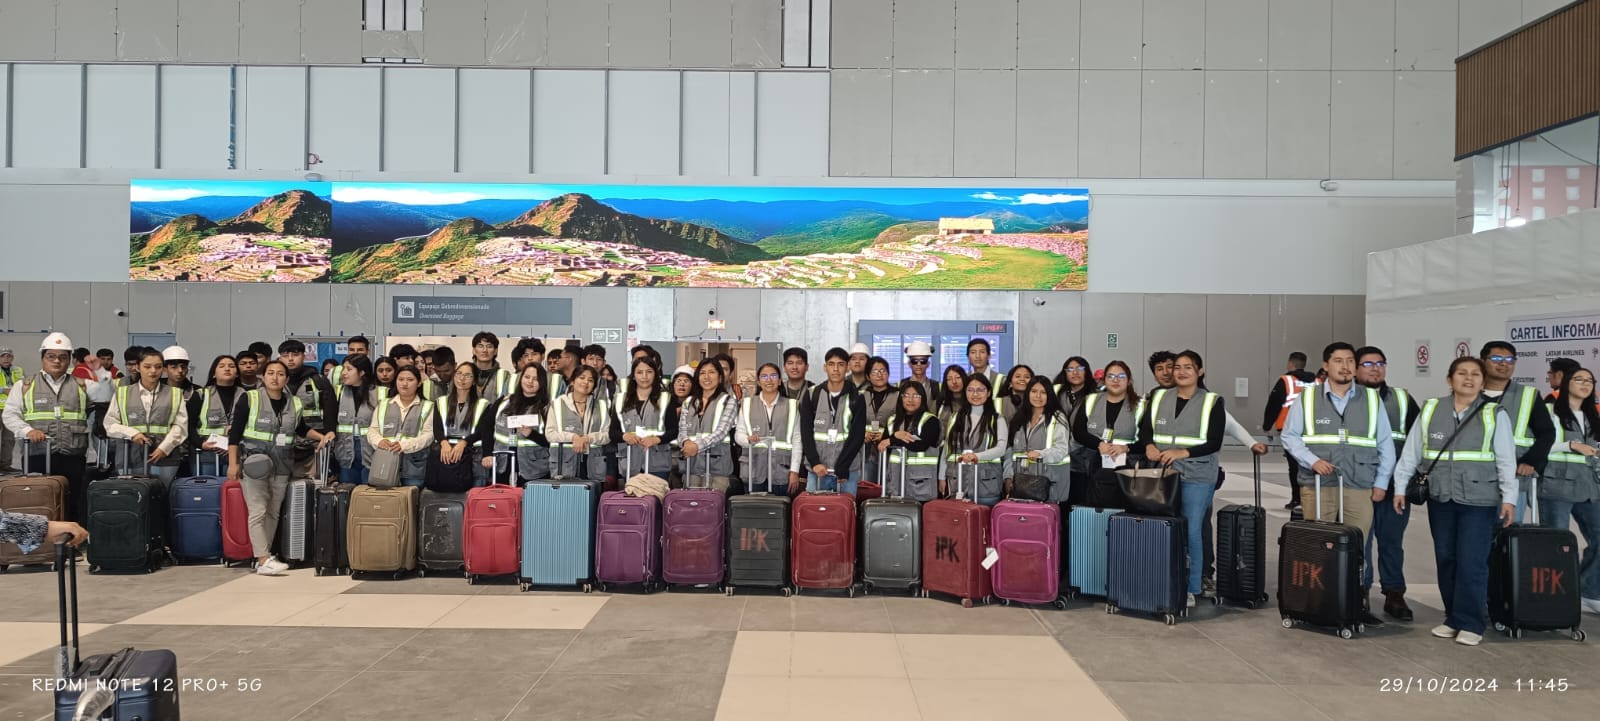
<point x="627" y="536"/>
<point x="1027" y="537"/>
<point x="693" y="527"/>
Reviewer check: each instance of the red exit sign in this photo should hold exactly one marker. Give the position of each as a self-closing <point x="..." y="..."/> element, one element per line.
<point x="991" y="328"/>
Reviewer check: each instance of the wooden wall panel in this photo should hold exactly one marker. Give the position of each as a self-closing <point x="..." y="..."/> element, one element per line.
<point x="1541" y="76"/>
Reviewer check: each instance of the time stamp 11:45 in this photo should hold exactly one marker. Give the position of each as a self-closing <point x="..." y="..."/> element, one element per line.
<point x="1453" y="684"/>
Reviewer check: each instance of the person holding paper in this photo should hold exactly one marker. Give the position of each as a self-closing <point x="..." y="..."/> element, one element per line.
<point x="210" y="410"/>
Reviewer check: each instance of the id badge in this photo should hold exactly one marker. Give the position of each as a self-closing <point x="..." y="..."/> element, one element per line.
<point x="1343" y="435"/>
<point x="833" y="435"/>
<point x="58" y="413"/>
<point x="1105" y="437"/>
<point x="638" y="430"/>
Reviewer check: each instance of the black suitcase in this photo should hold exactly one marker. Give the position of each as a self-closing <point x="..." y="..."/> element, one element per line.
<point x="758" y="539"/>
<point x="891" y="535"/>
<point x="1242" y="551"/>
<point x="439" y="531"/>
<point x="128" y="522"/>
<point x="1533" y="578"/>
<point x="331" y="554"/>
<point x="295" y="542"/>
<point x="127" y="684"/>
<point x="1319" y="572"/>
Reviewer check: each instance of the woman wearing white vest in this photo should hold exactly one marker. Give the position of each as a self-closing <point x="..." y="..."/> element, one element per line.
<point x="403" y="424"/>
<point x="1569" y="490"/>
<point x="912" y="441"/>
<point x="643" y="424"/>
<point x="458" y="422"/>
<point x="261" y="456"/>
<point x="1183" y="427"/>
<point x="975" y="444"/>
<point x="153" y="417"/>
<point x="579" y="427"/>
<point x="705" y="427"/>
<point x="519" y="423"/>
<point x="211" y="410"/>
<point x="357" y="399"/>
<point x="1040" y="440"/>
<point x="1472" y="490"/>
<point x="769" y="425"/>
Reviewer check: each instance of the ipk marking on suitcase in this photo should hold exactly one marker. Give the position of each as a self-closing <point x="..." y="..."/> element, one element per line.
<point x="1439" y="685"/>
<point x="135" y="686"/>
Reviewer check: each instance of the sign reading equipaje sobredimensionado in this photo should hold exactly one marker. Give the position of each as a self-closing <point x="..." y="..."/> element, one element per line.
<point x="446" y="310"/>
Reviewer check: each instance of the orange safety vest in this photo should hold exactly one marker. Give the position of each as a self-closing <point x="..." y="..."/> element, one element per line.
<point x="1291" y="387"/>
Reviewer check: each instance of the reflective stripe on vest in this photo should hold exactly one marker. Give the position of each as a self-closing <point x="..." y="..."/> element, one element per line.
<point x="205" y="413"/>
<point x="1109" y="435"/>
<point x="1209" y="400"/>
<point x="601" y="409"/>
<point x="8" y="379"/>
<point x="661" y="401"/>
<point x="57" y="411"/>
<point x="400" y="427"/>
<point x="716" y="420"/>
<point x="442" y="405"/>
<point x="791" y="411"/>
<point x="175" y="396"/>
<point x="1563" y="456"/>
<point x="1403" y="403"/>
<point x="255" y="433"/>
<point x="1049" y="440"/>
<point x="949" y="432"/>
<point x="1308" y="416"/>
<point x="510" y="437"/>
<point x="1525" y="403"/>
<point x="1482" y="455"/>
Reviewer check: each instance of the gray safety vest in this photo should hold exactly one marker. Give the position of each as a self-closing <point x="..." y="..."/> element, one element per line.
<point x="1169" y="429"/>
<point x="829" y="429"/>
<point x="272" y="434"/>
<point x="1040" y="437"/>
<point x="718" y="453"/>
<point x="564" y="462"/>
<point x="1349" y="442"/>
<point x="214" y="418"/>
<point x="353" y="422"/>
<point x="1126" y="430"/>
<point x="990" y="483"/>
<point x="156" y="422"/>
<point x="395" y="426"/>
<point x="311" y="400"/>
<point x="1466" y="472"/>
<point x="1398" y="406"/>
<point x="648" y="420"/>
<point x="921" y="468"/>
<point x="1569" y="477"/>
<point x="533" y="459"/>
<point x="774" y="451"/>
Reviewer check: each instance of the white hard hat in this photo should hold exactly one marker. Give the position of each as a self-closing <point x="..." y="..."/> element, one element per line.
<point x="175" y="353"/>
<point x="56" y="341"/>
<point x="918" y="348"/>
<point x="686" y="370"/>
<point x="860" y="348"/>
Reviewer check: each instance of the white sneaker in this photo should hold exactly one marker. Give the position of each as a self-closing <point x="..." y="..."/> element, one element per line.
<point x="1443" y="631"/>
<point x="267" y="569"/>
<point x="1191" y="600"/>
<point x="1468" y="638"/>
<point x="1592" y="605"/>
<point x="277" y="565"/>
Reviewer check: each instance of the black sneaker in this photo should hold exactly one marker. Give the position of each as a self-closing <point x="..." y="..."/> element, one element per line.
<point x="1291" y="505"/>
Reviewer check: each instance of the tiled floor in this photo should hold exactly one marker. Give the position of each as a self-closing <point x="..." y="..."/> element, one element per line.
<point x="308" y="648"/>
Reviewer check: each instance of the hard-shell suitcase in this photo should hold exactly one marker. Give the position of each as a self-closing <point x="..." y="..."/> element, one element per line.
<point x="1242" y="550"/>
<point x="955" y="538"/>
<point x="891" y="534"/>
<point x="236" y="546"/>
<point x="1146" y="569"/>
<point x="491" y="527"/>
<point x="758" y="537"/>
<point x="39" y="495"/>
<point x="558" y="530"/>
<point x="381" y="530"/>
<point x="1086" y="549"/>
<point x="1319" y="572"/>
<point x="127" y="520"/>
<point x="627" y="538"/>
<point x="124" y="685"/>
<point x="824" y="542"/>
<point x="693" y="524"/>
<point x="331" y="556"/>
<point x="439" y="531"/>
<point x="297" y="531"/>
<point x="1027" y="544"/>
<point x="1533" y="578"/>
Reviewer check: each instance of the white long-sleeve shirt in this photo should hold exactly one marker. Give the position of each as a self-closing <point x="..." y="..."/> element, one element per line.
<point x="424" y="437"/>
<point x="1239" y="432"/>
<point x="176" y="434"/>
<point x="1505" y="454"/>
<point x="741" y="430"/>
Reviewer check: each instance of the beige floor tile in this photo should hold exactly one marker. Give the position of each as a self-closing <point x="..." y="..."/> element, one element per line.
<point x="762" y="653"/>
<point x="810" y="699"/>
<point x="523" y="612"/>
<point x="945" y="700"/>
<point x="368" y="611"/>
<point x="24" y="639"/>
<point x="850" y="655"/>
<point x="231" y="609"/>
<point x="988" y="657"/>
<point x="300" y="580"/>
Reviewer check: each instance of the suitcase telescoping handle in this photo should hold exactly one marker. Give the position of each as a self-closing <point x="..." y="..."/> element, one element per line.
<point x="27" y="455"/>
<point x="216" y="461"/>
<point x="494" y="473"/>
<point x="126" y="467"/>
<point x="67" y="659"/>
<point x="751" y="453"/>
<point x="1257" y="460"/>
<point x="1317" y="480"/>
<point x="959" y="478"/>
<point x="903" y="455"/>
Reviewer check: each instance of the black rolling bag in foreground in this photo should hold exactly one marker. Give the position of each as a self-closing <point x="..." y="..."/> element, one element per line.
<point x="129" y="684"/>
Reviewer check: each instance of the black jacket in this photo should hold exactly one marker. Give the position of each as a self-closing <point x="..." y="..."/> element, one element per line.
<point x="325" y="399"/>
<point x="1269" y="414"/>
<point x="855" y="434"/>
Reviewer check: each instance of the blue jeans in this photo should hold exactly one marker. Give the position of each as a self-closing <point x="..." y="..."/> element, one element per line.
<point x="845" y="485"/>
<point x="1389" y="532"/>
<point x="1558" y="514"/>
<point x="1195" y="503"/>
<point x="1461" y="538"/>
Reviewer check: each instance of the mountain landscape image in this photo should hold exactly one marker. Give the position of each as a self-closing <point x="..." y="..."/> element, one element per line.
<point x="677" y="236"/>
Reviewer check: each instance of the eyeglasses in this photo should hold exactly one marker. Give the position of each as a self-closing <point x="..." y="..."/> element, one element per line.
<point x="1374" y="364"/>
<point x="1116" y="376"/>
<point x="878" y="372"/>
<point x="58" y="356"/>
<point x="1502" y="359"/>
<point x="1589" y="381"/>
<point x="1075" y="369"/>
<point x="976" y="390"/>
<point x="770" y="376"/>
<point x="919" y="361"/>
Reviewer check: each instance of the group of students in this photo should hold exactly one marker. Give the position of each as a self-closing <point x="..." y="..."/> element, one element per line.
<point x="967" y="434"/>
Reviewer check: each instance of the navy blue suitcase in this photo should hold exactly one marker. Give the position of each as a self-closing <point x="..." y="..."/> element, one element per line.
<point x="127" y="684"/>
<point x="197" y="519"/>
<point x="1146" y="569"/>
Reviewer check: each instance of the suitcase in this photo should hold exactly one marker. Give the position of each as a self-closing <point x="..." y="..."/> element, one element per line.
<point x="824" y="541"/>
<point x="1027" y="543"/>
<point x="758" y="538"/>
<point x="1145" y="566"/>
<point x="331" y="554"/>
<point x="236" y="546"/>
<point x="1085" y="556"/>
<point x="1242" y="550"/>
<point x="558" y="530"/>
<point x="1533" y="578"/>
<point x="381" y="530"/>
<point x="1319" y="572"/>
<point x="126" y="684"/>
<point x="627" y="538"/>
<point x="955" y="538"/>
<point x="197" y="518"/>
<point x="891" y="535"/>
<point x="491" y="526"/>
<point x="693" y="528"/>
<point x="40" y="495"/>
<point x="439" y="531"/>
<point x="127" y="520"/>
<point x="297" y="531"/>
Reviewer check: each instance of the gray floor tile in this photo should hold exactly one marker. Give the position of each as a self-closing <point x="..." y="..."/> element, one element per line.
<point x="522" y="651"/>
<point x="279" y="695"/>
<point x="932" y="615"/>
<point x="1578" y="702"/>
<point x="1204" y="702"/>
<point x="423" y="695"/>
<point x="647" y="652"/>
<point x="351" y="649"/>
<point x="30" y="595"/>
<point x="806" y="613"/>
<point x="1343" y="703"/>
<point x="1178" y="660"/>
<point x="1082" y="618"/>
<point x="21" y="699"/>
<point x="681" y="610"/>
<point x="572" y="697"/>
<point x="1318" y="659"/>
<point x="192" y="644"/>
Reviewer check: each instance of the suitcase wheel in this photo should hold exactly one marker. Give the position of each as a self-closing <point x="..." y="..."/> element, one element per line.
<point x="790" y="591"/>
<point x="1578" y="635"/>
<point x="1170" y="619"/>
<point x="524" y="587"/>
<point x="1346" y="633"/>
<point x="422" y="572"/>
<point x="1288" y="622"/>
<point x="1060" y="604"/>
<point x="966" y="603"/>
<point x="866" y="588"/>
<point x="1498" y="626"/>
<point x="1216" y="600"/>
<point x="471" y="580"/>
<point x="728" y="591"/>
<point x="4" y="567"/>
<point x="588" y="588"/>
<point x="1110" y="609"/>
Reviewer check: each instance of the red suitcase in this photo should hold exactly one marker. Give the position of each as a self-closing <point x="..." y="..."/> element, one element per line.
<point x="236" y="546"/>
<point x="955" y="538"/>
<point x="693" y="524"/>
<point x="1027" y="537"/>
<point x="491" y="526"/>
<point x="824" y="538"/>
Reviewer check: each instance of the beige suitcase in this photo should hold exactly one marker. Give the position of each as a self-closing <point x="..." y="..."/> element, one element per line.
<point x="38" y="495"/>
<point x="381" y="532"/>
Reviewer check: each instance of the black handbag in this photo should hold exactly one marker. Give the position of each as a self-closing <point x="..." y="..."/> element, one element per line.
<point x="1030" y="486"/>
<point x="458" y="477"/>
<point x="1418" y="488"/>
<point x="1149" y="489"/>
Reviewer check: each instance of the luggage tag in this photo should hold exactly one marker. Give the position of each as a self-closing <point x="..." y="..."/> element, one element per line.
<point x="990" y="558"/>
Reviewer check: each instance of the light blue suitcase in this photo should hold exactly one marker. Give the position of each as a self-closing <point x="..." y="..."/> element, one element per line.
<point x="558" y="531"/>
<point x="1086" y="550"/>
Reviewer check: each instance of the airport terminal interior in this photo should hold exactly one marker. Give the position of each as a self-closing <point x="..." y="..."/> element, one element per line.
<point x="605" y="227"/>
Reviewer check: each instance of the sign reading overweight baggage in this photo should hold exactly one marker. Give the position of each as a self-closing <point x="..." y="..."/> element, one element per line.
<point x="609" y="235"/>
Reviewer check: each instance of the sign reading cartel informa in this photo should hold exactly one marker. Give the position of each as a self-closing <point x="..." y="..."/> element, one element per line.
<point x="1542" y="338"/>
<point x="481" y="311"/>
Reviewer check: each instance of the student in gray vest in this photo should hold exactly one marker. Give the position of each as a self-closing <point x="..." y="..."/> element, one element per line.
<point x="1012" y="395"/>
<point x="833" y="428"/>
<point x="880" y="399"/>
<point x="1569" y="491"/>
<point x="796" y="363"/>
<point x="1388" y="527"/>
<point x="644" y="425"/>
<point x="912" y="440"/>
<point x="579" y="426"/>
<point x="1107" y="422"/>
<point x="210" y="412"/>
<point x="1472" y="490"/>
<point x="705" y="429"/>
<point x="769" y="427"/>
<point x="1531" y="431"/>
<point x="153" y="418"/>
<point x="403" y="423"/>
<point x="458" y="422"/>
<point x="975" y="444"/>
<point x="1183" y="427"/>
<point x="1040" y="440"/>
<point x="519" y="423"/>
<point x="357" y="399"/>
<point x="261" y="456"/>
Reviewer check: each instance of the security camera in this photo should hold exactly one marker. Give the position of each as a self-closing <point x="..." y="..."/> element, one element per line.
<point x="121" y="313"/>
<point x="1329" y="185"/>
<point x="713" y="311"/>
<point x="1038" y="301"/>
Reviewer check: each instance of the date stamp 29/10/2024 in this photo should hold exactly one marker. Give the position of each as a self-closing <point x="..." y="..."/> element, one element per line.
<point x="168" y="685"/>
<point x="1440" y="685"/>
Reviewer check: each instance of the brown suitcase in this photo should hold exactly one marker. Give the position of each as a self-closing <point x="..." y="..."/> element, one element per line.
<point x="34" y="494"/>
<point x="381" y="530"/>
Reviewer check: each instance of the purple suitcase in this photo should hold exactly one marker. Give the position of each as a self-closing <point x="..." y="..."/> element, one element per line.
<point x="694" y="523"/>
<point x="627" y="538"/>
<point x="1027" y="537"/>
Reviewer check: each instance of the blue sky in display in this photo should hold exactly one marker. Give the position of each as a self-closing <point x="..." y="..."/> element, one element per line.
<point x="163" y="191"/>
<point x="453" y="193"/>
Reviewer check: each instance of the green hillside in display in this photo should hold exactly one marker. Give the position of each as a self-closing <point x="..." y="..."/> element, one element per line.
<point x="295" y="212"/>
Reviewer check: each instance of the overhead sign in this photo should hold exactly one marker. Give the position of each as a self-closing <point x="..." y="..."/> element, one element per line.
<point x="605" y="335"/>
<point x="444" y="310"/>
<point x="1422" y="358"/>
<point x="1542" y="338"/>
